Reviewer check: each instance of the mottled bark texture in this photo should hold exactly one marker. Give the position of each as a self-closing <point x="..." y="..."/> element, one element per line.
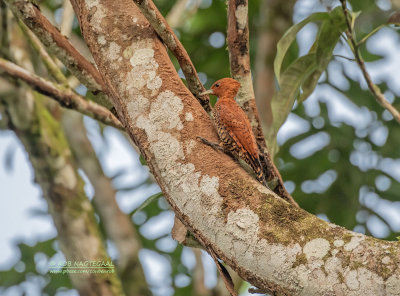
<point x="269" y="242"/>
<point x="239" y="57"/>
<point x="160" y="25"/>
<point x="276" y="18"/>
<point x="62" y="187"/>
<point x="117" y="225"/>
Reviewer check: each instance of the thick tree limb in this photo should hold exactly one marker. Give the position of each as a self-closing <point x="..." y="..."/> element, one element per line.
<point x="66" y="97"/>
<point x="117" y="225"/>
<point x="269" y="242"/>
<point x="55" y="172"/>
<point x="165" y="32"/>
<point x="375" y="90"/>
<point x="239" y="56"/>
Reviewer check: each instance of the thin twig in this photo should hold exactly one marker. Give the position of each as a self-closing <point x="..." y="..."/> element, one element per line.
<point x="344" y="57"/>
<point x="65" y="96"/>
<point x="167" y="35"/>
<point x="57" y="44"/>
<point x="46" y="58"/>
<point x="360" y="61"/>
<point x="226" y="277"/>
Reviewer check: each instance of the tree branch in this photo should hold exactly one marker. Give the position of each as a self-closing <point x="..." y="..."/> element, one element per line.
<point x="49" y="63"/>
<point x="55" y="172"/>
<point x="165" y="32"/>
<point x="66" y="97"/>
<point x="117" y="225"/>
<point x="239" y="56"/>
<point x="375" y="90"/>
<point x="269" y="242"/>
<point x="59" y="46"/>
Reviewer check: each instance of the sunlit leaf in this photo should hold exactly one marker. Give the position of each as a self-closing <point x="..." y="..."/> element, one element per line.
<point x="304" y="73"/>
<point x="289" y="37"/>
<point x="292" y="79"/>
<point x="353" y="16"/>
<point x="328" y="37"/>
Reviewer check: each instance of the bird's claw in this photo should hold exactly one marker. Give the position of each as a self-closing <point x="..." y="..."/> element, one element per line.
<point x="216" y="146"/>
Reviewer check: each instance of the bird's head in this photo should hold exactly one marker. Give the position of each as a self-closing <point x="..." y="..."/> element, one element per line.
<point x="224" y="88"/>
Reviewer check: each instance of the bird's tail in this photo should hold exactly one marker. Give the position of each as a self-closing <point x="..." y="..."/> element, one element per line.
<point x="258" y="169"/>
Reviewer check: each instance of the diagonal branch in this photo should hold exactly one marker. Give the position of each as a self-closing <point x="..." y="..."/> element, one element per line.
<point x="380" y="98"/>
<point x="49" y="63"/>
<point x="58" y="45"/>
<point x="167" y="35"/>
<point x="239" y="56"/>
<point x="65" y="96"/>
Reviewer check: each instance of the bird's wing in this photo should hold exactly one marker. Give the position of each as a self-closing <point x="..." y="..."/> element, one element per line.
<point x="236" y="123"/>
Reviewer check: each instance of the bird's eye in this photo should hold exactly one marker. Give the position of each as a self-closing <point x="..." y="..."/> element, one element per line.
<point x="217" y="85"/>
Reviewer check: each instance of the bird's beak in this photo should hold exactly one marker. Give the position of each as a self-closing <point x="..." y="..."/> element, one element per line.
<point x="207" y="92"/>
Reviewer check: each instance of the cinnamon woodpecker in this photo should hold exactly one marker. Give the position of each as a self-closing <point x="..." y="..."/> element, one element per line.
<point x="233" y="126"/>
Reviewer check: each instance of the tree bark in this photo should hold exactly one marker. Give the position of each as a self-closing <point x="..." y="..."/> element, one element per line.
<point x="270" y="243"/>
<point x="56" y="173"/>
<point x="239" y="57"/>
<point x="117" y="225"/>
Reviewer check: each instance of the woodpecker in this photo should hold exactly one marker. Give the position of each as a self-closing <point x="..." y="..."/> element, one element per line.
<point x="233" y="126"/>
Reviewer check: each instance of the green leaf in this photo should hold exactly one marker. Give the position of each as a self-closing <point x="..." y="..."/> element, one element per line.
<point x="362" y="41"/>
<point x="304" y="72"/>
<point x="292" y="79"/>
<point x="148" y="201"/>
<point x="353" y="16"/>
<point x="328" y="36"/>
<point x="290" y="36"/>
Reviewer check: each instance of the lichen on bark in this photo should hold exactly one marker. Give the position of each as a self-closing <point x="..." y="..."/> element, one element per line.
<point x="62" y="187"/>
<point x="266" y="240"/>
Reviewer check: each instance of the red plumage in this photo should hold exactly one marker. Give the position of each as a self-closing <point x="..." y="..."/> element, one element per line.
<point x="233" y="126"/>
